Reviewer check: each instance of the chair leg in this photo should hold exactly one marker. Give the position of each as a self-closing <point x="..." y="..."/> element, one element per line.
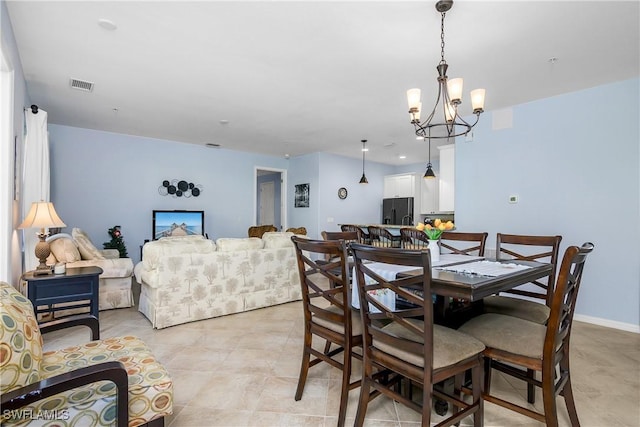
<point x="531" y="388"/>
<point x="476" y="387"/>
<point x="304" y="365"/>
<point x="344" y="392"/>
<point x="567" y="393"/>
<point x="427" y="401"/>
<point x="487" y="375"/>
<point x="363" y="401"/>
<point x="457" y="392"/>
<point x="549" y="399"/>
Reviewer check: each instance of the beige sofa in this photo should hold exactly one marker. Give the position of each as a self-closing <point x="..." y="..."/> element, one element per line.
<point x="184" y="279"/>
<point x="76" y="250"/>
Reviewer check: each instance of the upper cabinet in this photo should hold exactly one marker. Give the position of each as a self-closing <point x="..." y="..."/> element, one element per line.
<point x="403" y="185"/>
<point x="446" y="178"/>
<point x="429" y="188"/>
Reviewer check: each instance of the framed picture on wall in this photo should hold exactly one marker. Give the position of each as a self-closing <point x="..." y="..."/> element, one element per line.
<point x="302" y="196"/>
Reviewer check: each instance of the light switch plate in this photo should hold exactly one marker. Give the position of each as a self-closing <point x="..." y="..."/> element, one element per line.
<point x="513" y="199"/>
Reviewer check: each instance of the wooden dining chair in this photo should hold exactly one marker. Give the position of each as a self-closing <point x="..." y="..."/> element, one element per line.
<point x="347" y="236"/>
<point x="530" y="248"/>
<point x="412" y="238"/>
<point x="515" y="346"/>
<point x="362" y="236"/>
<point x="405" y="344"/>
<point x="327" y="312"/>
<point x="463" y="243"/>
<point x="382" y="238"/>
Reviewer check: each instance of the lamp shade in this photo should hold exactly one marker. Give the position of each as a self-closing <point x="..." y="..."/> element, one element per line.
<point x="477" y="100"/>
<point x="42" y="215"/>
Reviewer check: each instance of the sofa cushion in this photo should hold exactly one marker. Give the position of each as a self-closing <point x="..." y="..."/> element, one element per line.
<point x="20" y="340"/>
<point x="150" y="386"/>
<point x="229" y="244"/>
<point x="64" y="249"/>
<point x="278" y="239"/>
<point x="152" y="252"/>
<point x="86" y="248"/>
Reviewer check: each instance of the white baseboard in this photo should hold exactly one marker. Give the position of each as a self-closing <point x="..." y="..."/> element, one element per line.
<point x="607" y="323"/>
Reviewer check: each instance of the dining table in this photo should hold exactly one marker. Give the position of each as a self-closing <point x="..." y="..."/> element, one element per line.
<point x="464" y="278"/>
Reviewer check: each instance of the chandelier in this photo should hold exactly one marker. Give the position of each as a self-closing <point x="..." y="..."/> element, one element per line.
<point x="444" y="119"/>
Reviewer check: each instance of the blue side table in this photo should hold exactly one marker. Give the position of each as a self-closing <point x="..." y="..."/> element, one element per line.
<point x="76" y="285"/>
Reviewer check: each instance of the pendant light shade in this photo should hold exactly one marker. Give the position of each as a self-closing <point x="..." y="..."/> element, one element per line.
<point x="429" y="173"/>
<point x="363" y="180"/>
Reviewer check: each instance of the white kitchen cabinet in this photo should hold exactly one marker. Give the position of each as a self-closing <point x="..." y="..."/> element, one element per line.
<point x="429" y="190"/>
<point x="403" y="185"/>
<point x="446" y="177"/>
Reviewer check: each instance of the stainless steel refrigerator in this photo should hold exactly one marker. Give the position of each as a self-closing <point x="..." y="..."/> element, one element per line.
<point x="397" y="211"/>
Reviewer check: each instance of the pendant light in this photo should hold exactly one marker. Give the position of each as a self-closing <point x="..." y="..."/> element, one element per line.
<point x="363" y="180"/>
<point x="429" y="173"/>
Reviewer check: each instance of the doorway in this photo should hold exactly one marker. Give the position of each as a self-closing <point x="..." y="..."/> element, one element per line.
<point x="270" y="197"/>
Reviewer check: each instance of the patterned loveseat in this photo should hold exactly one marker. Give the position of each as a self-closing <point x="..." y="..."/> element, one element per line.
<point x="184" y="279"/>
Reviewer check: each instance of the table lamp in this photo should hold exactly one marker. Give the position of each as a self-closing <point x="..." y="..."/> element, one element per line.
<point x="42" y="215"/>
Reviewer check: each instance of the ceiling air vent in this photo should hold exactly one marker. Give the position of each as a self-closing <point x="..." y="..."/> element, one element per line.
<point x="81" y="85"/>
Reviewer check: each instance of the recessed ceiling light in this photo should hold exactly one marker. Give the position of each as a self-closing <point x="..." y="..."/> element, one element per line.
<point x="402" y="156"/>
<point x="107" y="24"/>
<point x="224" y="122"/>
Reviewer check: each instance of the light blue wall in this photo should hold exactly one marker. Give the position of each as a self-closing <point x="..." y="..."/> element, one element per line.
<point x="304" y="170"/>
<point x="364" y="201"/>
<point x="101" y="179"/>
<point x="573" y="160"/>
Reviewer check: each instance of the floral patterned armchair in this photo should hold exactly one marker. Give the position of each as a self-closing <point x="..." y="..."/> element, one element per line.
<point x="116" y="381"/>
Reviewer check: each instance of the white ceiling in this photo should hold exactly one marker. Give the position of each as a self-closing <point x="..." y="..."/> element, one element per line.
<point x="295" y="77"/>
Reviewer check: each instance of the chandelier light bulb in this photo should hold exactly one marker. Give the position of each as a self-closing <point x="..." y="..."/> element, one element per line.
<point x="477" y="100"/>
<point x="413" y="98"/>
<point x="454" y="87"/>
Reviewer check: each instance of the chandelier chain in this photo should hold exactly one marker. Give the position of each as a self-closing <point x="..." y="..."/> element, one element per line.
<point x="442" y="61"/>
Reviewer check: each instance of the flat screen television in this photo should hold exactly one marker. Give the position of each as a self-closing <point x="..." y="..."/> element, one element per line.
<point x="177" y="223"/>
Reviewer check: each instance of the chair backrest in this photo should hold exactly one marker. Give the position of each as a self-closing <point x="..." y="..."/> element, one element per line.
<point x="412" y="238"/>
<point x="362" y="236"/>
<point x="19" y="332"/>
<point x="347" y="236"/>
<point x="259" y="230"/>
<point x="531" y="248"/>
<point x="381" y="237"/>
<point x="377" y="335"/>
<point x="456" y="242"/>
<point x="325" y="285"/>
<point x="298" y="230"/>
<point x="564" y="300"/>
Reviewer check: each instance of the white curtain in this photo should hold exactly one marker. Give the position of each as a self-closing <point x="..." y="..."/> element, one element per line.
<point x="35" y="176"/>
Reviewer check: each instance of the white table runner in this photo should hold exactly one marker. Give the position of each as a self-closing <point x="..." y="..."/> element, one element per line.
<point x="485" y="268"/>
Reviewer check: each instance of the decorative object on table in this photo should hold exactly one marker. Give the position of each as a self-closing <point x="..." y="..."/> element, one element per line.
<point x="116" y="242"/>
<point x="363" y="180"/>
<point x="302" y="196"/>
<point x="342" y="193"/>
<point x="179" y="188"/>
<point x="60" y="268"/>
<point x="434" y="232"/>
<point x="444" y="118"/>
<point x="42" y="215"/>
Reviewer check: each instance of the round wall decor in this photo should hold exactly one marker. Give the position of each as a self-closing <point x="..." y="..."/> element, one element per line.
<point x="179" y="188"/>
<point x="342" y="193"/>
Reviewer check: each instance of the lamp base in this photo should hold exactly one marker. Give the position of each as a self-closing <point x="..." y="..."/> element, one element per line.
<point x="42" y="271"/>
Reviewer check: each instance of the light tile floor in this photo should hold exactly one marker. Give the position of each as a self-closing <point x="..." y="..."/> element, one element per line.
<point x="242" y="370"/>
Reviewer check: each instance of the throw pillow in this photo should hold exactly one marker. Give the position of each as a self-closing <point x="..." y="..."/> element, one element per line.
<point x="65" y="250"/>
<point x="87" y="250"/>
